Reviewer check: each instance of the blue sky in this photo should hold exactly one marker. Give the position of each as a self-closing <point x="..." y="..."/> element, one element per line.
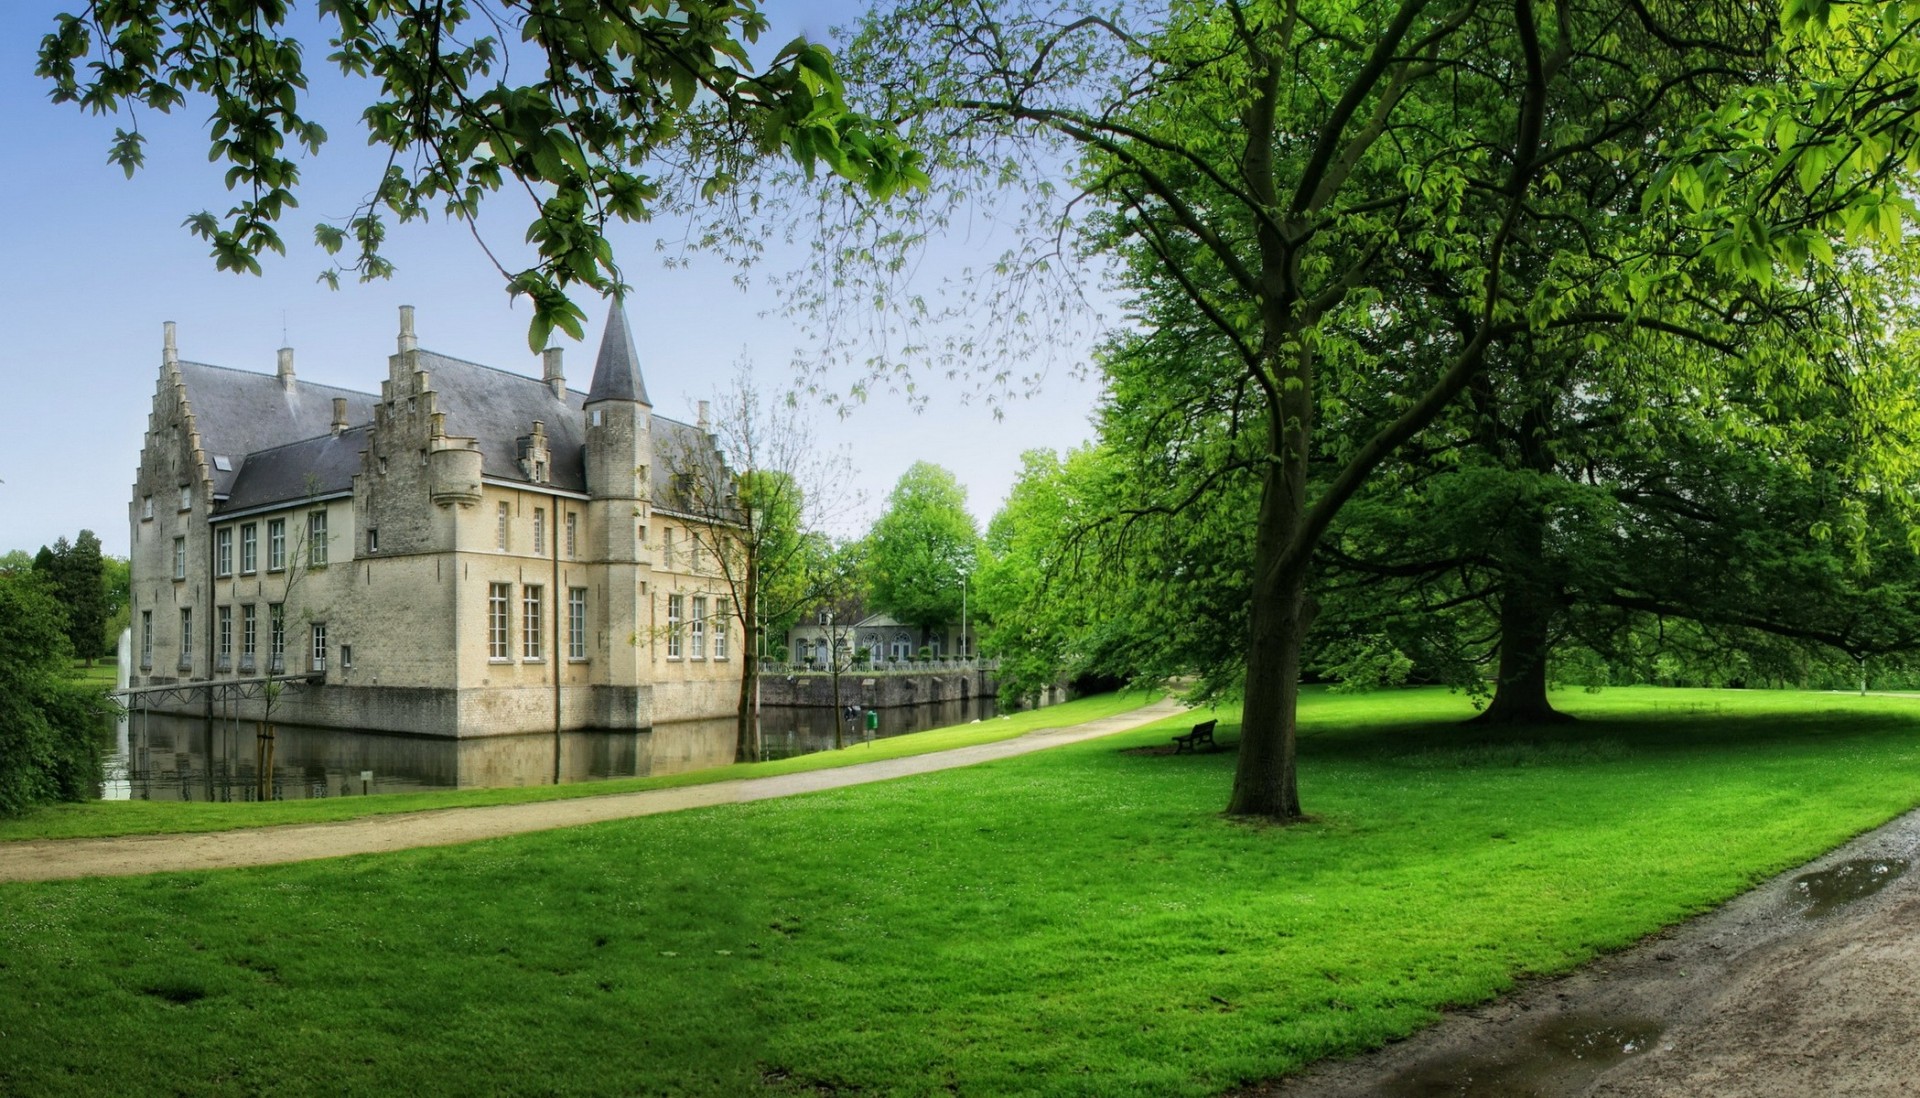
<point x="95" y="263"/>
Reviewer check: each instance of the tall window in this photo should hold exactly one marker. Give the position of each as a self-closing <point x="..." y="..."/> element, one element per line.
<point x="179" y="558"/>
<point x="723" y="609"/>
<point x="539" y="531"/>
<point x="223" y="551"/>
<point x="249" y="630"/>
<point x="186" y="497"/>
<point x="693" y="552"/>
<point x="249" y="549"/>
<point x="699" y="624"/>
<point x="576" y="621"/>
<point x="223" y="616"/>
<point x="498" y="595"/>
<point x="666" y="546"/>
<point x="146" y="639"/>
<point x="276" y="544"/>
<point x="186" y="637"/>
<point x="531" y="597"/>
<point x="675" y="605"/>
<point x="146" y="508"/>
<point x="317" y="543"/>
<point x="573" y="535"/>
<point x="319" y="646"/>
<point x="277" y="637"/>
<point x="500" y="529"/>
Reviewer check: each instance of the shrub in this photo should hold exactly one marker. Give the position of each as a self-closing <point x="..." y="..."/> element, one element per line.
<point x="48" y="727"/>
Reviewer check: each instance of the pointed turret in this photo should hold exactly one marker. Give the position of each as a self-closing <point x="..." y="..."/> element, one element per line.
<point x="616" y="373"/>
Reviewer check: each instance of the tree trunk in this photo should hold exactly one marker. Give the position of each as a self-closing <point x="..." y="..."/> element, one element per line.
<point x="1520" y="690"/>
<point x="747" y="731"/>
<point x="1265" y="777"/>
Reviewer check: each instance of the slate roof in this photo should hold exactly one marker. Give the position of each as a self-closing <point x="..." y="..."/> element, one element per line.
<point x="616" y="373"/>
<point x="311" y="467"/>
<point x="239" y="412"/>
<point x="281" y="446"/>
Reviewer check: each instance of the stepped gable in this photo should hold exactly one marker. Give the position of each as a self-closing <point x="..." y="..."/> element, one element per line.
<point x="310" y="468"/>
<point x="616" y="373"/>
<point x="238" y="412"/>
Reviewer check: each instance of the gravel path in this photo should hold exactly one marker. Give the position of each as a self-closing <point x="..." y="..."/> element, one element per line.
<point x="1807" y="986"/>
<point x="127" y="856"/>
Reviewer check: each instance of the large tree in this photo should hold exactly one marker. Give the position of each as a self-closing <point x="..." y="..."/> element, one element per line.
<point x="591" y="111"/>
<point x="1292" y="169"/>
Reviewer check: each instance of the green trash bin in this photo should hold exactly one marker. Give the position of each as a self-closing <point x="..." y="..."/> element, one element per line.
<point x="873" y="720"/>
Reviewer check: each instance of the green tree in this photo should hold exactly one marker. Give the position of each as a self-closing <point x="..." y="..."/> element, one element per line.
<point x="47" y="727"/>
<point x="116" y="579"/>
<point x="621" y="106"/>
<point x="921" y="546"/>
<point x="1288" y="170"/>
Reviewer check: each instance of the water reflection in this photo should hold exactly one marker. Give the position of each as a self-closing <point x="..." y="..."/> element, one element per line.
<point x="156" y="756"/>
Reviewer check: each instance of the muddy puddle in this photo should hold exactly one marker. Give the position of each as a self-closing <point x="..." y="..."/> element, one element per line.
<point x="1551" y="1059"/>
<point x="1857" y="879"/>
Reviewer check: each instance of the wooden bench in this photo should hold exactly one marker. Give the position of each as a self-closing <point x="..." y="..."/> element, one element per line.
<point x="1202" y="733"/>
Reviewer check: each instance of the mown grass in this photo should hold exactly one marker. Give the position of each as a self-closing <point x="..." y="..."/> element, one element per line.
<point x="1075" y="922"/>
<point x="109" y="818"/>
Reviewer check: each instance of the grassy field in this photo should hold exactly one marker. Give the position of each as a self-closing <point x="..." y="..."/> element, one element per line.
<point x="1079" y="921"/>
<point x="103" y="818"/>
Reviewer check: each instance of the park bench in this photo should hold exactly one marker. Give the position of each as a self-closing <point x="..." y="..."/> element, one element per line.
<point x="1202" y="733"/>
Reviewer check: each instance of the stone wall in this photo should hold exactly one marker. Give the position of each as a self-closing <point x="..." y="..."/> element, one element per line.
<point x="870" y="691"/>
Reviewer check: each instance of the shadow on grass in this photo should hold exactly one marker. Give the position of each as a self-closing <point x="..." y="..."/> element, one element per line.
<point x="1680" y="731"/>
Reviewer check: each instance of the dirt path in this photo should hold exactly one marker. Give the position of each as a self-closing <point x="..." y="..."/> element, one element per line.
<point x="127" y="856"/>
<point x="1807" y="986"/>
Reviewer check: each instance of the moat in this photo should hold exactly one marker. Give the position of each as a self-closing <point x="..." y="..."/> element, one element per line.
<point x="156" y="756"/>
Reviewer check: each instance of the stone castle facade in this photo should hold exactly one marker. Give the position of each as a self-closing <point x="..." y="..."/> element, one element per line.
<point x="470" y="552"/>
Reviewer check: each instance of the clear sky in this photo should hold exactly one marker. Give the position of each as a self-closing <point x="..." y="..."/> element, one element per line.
<point x="95" y="263"/>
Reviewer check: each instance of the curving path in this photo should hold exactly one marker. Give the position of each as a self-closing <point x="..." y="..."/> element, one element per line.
<point x="58" y="859"/>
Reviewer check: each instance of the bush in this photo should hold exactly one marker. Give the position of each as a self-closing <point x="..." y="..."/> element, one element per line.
<point x="48" y="727"/>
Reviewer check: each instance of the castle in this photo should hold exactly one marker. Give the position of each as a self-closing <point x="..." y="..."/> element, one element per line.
<point x="472" y="552"/>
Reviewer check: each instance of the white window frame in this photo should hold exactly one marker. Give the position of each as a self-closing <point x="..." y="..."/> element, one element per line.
<point x="698" y="622"/>
<point x="573" y="535"/>
<point x="276" y="545"/>
<point x="539" y="531"/>
<point x="249" y="549"/>
<point x="501" y="540"/>
<point x="223" y="551"/>
<point x="186" y="636"/>
<point x="317" y="541"/>
<point x="532" y="607"/>
<point x="724" y="610"/>
<point x="223" y="651"/>
<point x="576" y="622"/>
<point x="249" y="635"/>
<point x="499" y="639"/>
<point x="180" y="558"/>
<point x="675" y="607"/>
<point x="319" y="635"/>
<point x="276" y="638"/>
<point x="186" y="497"/>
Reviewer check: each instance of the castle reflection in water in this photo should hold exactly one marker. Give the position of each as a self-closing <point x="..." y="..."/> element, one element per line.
<point x="157" y="756"/>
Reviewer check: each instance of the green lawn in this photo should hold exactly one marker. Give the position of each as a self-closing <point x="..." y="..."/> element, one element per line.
<point x="102" y="818"/>
<point x="1079" y="921"/>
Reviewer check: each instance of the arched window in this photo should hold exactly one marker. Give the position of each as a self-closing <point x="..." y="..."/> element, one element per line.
<point x="902" y="647"/>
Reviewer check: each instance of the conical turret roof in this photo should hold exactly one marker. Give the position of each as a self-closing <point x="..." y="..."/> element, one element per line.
<point x="616" y="373"/>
